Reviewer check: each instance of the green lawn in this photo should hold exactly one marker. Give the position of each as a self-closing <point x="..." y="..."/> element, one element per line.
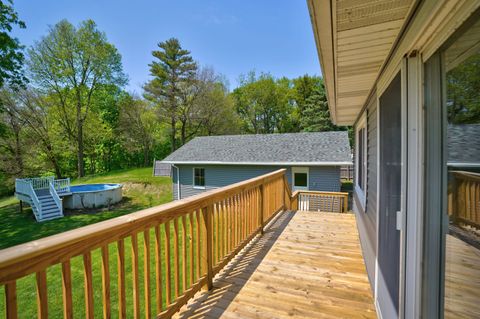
<point x="141" y="190"/>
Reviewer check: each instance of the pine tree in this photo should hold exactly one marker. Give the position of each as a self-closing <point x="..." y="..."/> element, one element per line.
<point x="173" y="69"/>
<point x="315" y="116"/>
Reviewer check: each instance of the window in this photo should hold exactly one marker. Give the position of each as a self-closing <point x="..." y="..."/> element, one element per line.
<point x="199" y="177"/>
<point x="361" y="159"/>
<point x="300" y="178"/>
<point x="453" y="176"/>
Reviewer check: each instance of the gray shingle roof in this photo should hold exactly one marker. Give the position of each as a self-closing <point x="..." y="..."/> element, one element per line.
<point x="315" y="148"/>
<point x="464" y="144"/>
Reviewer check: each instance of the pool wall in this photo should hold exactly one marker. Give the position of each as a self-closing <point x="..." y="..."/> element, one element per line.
<point x="93" y="199"/>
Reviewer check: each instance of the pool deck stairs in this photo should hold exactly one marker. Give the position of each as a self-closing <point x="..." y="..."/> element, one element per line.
<point x="43" y="195"/>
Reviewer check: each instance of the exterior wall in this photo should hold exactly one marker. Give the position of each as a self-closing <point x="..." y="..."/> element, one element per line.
<point x="321" y="178"/>
<point x="367" y="218"/>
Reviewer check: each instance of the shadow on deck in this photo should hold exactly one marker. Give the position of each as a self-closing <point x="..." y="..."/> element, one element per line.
<point x="307" y="265"/>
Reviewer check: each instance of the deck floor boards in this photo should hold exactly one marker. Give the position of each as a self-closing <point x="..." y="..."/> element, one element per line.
<point x="307" y="265"/>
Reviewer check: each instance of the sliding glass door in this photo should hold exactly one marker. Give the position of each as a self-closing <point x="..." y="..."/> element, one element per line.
<point x="390" y="170"/>
<point x="452" y="237"/>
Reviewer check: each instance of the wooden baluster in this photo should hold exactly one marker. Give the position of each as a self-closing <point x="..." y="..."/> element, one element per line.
<point x="192" y="260"/>
<point x="207" y="250"/>
<point x="209" y="214"/>
<point x="224" y="229"/>
<point x="146" y="273"/>
<point x="229" y="225"/>
<point x="158" y="268"/>
<point x="214" y="235"/>
<point x="198" y="246"/>
<point x="168" y="270"/>
<point x="42" y="302"/>
<point x="67" y="290"/>
<point x="244" y="215"/>
<point x="256" y="208"/>
<point x="105" y="282"/>
<point x="248" y="215"/>
<point x="226" y="250"/>
<point x="218" y="234"/>
<point x="11" y="299"/>
<point x="240" y="218"/>
<point x="87" y="274"/>
<point x="235" y="221"/>
<point x="477" y="202"/>
<point x="136" y="286"/>
<point x="262" y="208"/>
<point x="220" y="231"/>
<point x="122" y="306"/>
<point x="176" y="266"/>
<point x="184" y="251"/>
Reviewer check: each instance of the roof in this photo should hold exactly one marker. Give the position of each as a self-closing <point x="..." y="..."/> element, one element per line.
<point x="323" y="148"/>
<point x="464" y="145"/>
<point x="353" y="40"/>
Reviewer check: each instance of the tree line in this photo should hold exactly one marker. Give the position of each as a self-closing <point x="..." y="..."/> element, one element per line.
<point x="65" y="110"/>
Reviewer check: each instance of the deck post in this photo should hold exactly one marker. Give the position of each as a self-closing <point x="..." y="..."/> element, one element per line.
<point x="262" y="208"/>
<point x="21" y="207"/>
<point x="208" y="245"/>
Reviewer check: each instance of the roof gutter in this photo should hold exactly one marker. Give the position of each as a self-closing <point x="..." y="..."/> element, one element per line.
<point x="333" y="163"/>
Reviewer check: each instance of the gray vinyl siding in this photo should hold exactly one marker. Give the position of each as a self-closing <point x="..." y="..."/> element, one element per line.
<point x="366" y="219"/>
<point x="321" y="178"/>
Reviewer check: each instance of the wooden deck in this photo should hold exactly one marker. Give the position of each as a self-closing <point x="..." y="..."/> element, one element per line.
<point x="307" y="265"/>
<point x="462" y="279"/>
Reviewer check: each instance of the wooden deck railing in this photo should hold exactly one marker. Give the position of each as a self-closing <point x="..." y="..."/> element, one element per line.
<point x="183" y="244"/>
<point x="336" y="202"/>
<point x="464" y="202"/>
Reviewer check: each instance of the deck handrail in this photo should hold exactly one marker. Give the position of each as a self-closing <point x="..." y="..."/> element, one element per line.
<point x="62" y="185"/>
<point x="320" y="201"/>
<point x="39" y="182"/>
<point x="465" y="204"/>
<point x="25" y="187"/>
<point x="56" y="198"/>
<point x="220" y="223"/>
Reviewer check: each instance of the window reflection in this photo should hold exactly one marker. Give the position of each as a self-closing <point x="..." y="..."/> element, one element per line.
<point x="462" y="259"/>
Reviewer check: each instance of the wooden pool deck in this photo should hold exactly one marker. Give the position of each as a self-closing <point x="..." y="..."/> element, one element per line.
<point x="306" y="265"/>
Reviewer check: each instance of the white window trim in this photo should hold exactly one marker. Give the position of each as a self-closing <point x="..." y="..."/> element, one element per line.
<point x="300" y="170"/>
<point x="193" y="180"/>
<point x="362" y="194"/>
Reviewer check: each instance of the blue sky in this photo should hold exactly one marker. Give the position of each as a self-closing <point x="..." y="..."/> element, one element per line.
<point x="232" y="36"/>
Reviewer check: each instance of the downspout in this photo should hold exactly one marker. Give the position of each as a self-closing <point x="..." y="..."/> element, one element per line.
<point x="178" y="181"/>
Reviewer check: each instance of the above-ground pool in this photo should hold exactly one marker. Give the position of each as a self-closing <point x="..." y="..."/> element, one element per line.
<point x="93" y="196"/>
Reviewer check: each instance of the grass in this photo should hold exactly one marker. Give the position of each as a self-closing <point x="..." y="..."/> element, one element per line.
<point x="140" y="191"/>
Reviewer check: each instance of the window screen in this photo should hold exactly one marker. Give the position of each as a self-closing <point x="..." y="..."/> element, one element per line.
<point x="301" y="179"/>
<point x="361" y="159"/>
<point x="199" y="177"/>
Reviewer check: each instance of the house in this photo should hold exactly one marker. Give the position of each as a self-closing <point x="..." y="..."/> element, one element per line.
<point x="405" y="75"/>
<point x="313" y="159"/>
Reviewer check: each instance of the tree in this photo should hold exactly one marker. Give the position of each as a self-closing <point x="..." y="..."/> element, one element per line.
<point x="137" y="126"/>
<point x="11" y="146"/>
<point x="33" y="110"/>
<point x="463" y="95"/>
<point x="219" y="113"/>
<point x="315" y="116"/>
<point x="71" y="64"/>
<point x="11" y="55"/>
<point x="261" y="104"/>
<point x="173" y="71"/>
